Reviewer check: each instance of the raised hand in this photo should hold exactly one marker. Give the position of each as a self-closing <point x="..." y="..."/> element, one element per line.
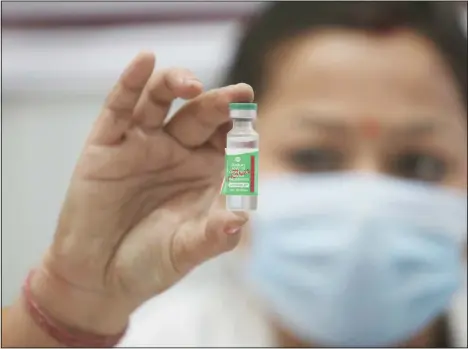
<point x="139" y="214"/>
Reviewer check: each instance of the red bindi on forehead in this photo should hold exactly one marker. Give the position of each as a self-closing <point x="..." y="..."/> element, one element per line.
<point x="370" y="128"/>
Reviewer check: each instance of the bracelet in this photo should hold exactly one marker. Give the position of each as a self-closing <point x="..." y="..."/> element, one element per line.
<point x="60" y="332"/>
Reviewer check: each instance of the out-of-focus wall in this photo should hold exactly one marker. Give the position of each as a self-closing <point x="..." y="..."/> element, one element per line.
<point x="88" y="60"/>
<point x="54" y="82"/>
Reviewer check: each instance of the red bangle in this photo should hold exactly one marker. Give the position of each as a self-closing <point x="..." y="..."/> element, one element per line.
<point x="60" y="332"/>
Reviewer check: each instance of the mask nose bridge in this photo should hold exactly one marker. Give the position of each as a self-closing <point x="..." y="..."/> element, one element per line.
<point x="366" y="237"/>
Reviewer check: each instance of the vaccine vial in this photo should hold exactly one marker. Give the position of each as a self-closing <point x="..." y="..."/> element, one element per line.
<point x="240" y="184"/>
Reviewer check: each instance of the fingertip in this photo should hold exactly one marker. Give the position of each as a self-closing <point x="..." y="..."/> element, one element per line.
<point x="237" y="221"/>
<point x="191" y="82"/>
<point x="147" y="52"/>
<point x="233" y="231"/>
<point x="247" y="89"/>
<point x="144" y="59"/>
<point x="147" y="55"/>
<point x="188" y="93"/>
<point x="241" y="216"/>
<point x="184" y="83"/>
<point x="244" y="86"/>
<point x="139" y="70"/>
<point x="191" y="87"/>
<point x="239" y="93"/>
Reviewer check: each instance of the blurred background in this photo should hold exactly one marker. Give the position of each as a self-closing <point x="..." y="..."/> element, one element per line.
<point x="59" y="61"/>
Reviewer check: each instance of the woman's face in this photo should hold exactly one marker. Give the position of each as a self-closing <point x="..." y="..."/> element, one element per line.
<point x="345" y="100"/>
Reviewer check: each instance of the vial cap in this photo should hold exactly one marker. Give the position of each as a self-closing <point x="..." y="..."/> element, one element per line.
<point x="245" y="111"/>
<point x="243" y="106"/>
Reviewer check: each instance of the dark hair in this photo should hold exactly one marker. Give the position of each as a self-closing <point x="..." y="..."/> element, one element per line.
<point x="437" y="21"/>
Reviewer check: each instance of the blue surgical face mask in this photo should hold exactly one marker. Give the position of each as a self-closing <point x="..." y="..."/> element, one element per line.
<point x="356" y="259"/>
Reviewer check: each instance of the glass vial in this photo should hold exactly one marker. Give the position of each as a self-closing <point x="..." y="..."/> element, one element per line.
<point x="241" y="166"/>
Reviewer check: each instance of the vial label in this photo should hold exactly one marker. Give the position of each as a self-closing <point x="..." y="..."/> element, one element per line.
<point x="241" y="172"/>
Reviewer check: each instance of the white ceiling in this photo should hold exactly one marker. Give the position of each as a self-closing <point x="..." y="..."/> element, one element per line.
<point x="40" y="10"/>
<point x="90" y="60"/>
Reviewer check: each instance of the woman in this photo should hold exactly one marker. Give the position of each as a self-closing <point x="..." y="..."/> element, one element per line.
<point x="361" y="228"/>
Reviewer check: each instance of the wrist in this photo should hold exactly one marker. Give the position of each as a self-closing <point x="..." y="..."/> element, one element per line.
<point x="75" y="308"/>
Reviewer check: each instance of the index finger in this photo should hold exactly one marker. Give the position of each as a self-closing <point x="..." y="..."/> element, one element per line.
<point x="117" y="111"/>
<point x="197" y="121"/>
<point x="160" y="91"/>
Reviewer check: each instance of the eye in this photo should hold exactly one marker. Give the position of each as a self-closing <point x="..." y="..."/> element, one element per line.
<point x="420" y="166"/>
<point x="317" y="159"/>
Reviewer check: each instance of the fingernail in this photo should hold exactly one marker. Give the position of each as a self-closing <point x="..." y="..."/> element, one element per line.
<point x="191" y="81"/>
<point x="232" y="231"/>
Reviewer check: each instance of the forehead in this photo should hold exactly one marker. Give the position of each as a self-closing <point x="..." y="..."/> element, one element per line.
<point x="390" y="75"/>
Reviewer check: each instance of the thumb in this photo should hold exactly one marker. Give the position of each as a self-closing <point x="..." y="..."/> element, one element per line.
<point x="220" y="233"/>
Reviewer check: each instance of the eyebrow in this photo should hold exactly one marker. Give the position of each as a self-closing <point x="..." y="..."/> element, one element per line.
<point x="418" y="128"/>
<point x="413" y="129"/>
<point x="324" y="123"/>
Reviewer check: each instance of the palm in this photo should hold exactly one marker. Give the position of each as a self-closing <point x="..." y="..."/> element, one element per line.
<point x="140" y="186"/>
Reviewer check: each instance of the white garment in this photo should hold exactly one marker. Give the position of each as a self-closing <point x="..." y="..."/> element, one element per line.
<point x="212" y="308"/>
